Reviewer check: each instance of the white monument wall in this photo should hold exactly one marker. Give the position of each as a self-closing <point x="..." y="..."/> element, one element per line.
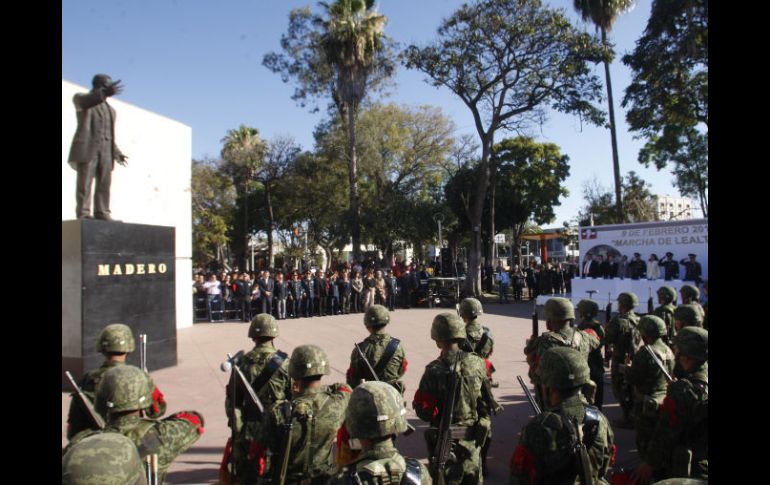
<point x="155" y="187"/>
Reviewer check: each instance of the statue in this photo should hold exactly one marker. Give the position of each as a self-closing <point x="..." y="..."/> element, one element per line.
<point x="93" y="152"/>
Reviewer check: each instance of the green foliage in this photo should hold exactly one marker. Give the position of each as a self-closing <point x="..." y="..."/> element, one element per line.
<point x="602" y="13"/>
<point x="213" y="205"/>
<point x="668" y="96"/>
<point x="638" y="202"/>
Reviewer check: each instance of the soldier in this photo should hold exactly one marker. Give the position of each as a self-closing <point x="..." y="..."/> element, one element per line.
<point x="375" y="416"/>
<point x="691" y="295"/>
<point x="124" y="391"/>
<point x="679" y="444"/>
<point x="115" y="343"/>
<point x="316" y="413"/>
<point x="706" y="305"/>
<point x="559" y="314"/>
<point x="267" y="370"/>
<point x="384" y="353"/>
<point x="623" y="337"/>
<point x="479" y="341"/>
<point x="103" y="459"/>
<point x="685" y="316"/>
<point x="546" y="452"/>
<point x="471" y="421"/>
<point x="667" y="300"/>
<point x="588" y="310"/>
<point x="648" y="381"/>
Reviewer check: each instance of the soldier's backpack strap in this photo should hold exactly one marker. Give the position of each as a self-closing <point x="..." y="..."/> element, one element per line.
<point x="413" y="473"/>
<point x="269" y="371"/>
<point x="590" y="425"/>
<point x="577" y="339"/>
<point x="150" y="441"/>
<point x="390" y="350"/>
<point x="482" y="341"/>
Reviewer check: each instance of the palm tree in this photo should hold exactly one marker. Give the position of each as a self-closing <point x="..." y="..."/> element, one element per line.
<point x="351" y="40"/>
<point x="603" y="13"/>
<point x="243" y="153"/>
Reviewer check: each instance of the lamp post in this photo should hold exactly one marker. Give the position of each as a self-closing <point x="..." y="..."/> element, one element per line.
<point x="439" y="217"/>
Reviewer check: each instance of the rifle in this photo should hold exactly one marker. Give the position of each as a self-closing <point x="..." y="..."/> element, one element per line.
<point x="409" y="428"/>
<point x="151" y="470"/>
<point x="442" y="452"/>
<point x="607" y="318"/>
<point x="580" y="452"/>
<point x="530" y="398"/>
<point x="143" y="351"/>
<point x="253" y="398"/>
<point x="280" y="463"/>
<point x="535" y="323"/>
<point x="85" y="403"/>
<point x="650" y="308"/>
<point x="659" y="364"/>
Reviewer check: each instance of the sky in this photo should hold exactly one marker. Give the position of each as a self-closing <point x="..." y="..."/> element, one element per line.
<point x="200" y="62"/>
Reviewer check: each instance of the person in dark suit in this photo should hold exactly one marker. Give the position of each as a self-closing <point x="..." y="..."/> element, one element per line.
<point x="343" y="283"/>
<point x="670" y="267"/>
<point x="93" y="152"/>
<point x="692" y="269"/>
<point x="308" y="288"/>
<point x="321" y="292"/>
<point x="266" y="287"/>
<point x="604" y="268"/>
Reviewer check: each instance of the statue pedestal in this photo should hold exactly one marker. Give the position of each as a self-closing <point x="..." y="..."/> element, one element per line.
<point x="114" y="272"/>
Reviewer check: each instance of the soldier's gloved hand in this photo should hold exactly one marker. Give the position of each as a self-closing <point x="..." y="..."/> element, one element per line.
<point x="123" y="160"/>
<point x="113" y="89"/>
<point x="193" y="417"/>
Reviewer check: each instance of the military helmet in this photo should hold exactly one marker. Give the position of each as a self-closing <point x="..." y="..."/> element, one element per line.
<point x="375" y="409"/>
<point x="116" y="337"/>
<point x="588" y="308"/>
<point x="693" y="342"/>
<point x="563" y="368"/>
<point x="308" y="361"/>
<point x="559" y="309"/>
<point x="447" y="326"/>
<point x="103" y="459"/>
<point x="652" y="326"/>
<point x="667" y="294"/>
<point x="628" y="300"/>
<point x="376" y="315"/>
<point x="470" y="308"/>
<point x="263" y="325"/>
<point x="124" y="388"/>
<point x="690" y="291"/>
<point x="689" y="314"/>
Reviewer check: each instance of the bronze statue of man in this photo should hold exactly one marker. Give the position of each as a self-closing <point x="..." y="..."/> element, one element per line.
<point x="93" y="152"/>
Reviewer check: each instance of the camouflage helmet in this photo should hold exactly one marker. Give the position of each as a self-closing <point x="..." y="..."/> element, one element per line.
<point x="652" y="326"/>
<point x="667" y="294"/>
<point x="690" y="291"/>
<point x="307" y="361"/>
<point x="376" y="315"/>
<point x="447" y="326"/>
<point x="470" y="308"/>
<point x="124" y="388"/>
<point x="628" y="299"/>
<point x="263" y="325"/>
<point x="689" y="314"/>
<point x="559" y="309"/>
<point x="693" y="342"/>
<point x="103" y="459"/>
<point x="116" y="337"/>
<point x="375" y="409"/>
<point x="588" y="308"/>
<point x="563" y="368"/>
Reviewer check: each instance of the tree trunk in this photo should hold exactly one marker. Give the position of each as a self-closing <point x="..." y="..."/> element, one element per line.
<point x="615" y="161"/>
<point x="269" y="202"/>
<point x="353" y="178"/>
<point x="473" y="282"/>
<point x="491" y="252"/>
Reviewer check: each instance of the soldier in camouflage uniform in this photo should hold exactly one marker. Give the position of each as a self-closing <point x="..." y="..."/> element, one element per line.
<point x="691" y="295"/>
<point x="471" y="418"/>
<point x="267" y="370"/>
<point x="685" y="316"/>
<point x="479" y="341"/>
<point x="103" y="459"/>
<point x="384" y="353"/>
<point x="706" y="305"/>
<point x="375" y="416"/>
<point x="316" y="412"/>
<point x="559" y="315"/>
<point x="125" y="391"/>
<point x="115" y="343"/>
<point x="648" y="381"/>
<point x="679" y="445"/>
<point x="545" y="453"/>
<point x="667" y="300"/>
<point x="624" y="340"/>
<point x="588" y="310"/>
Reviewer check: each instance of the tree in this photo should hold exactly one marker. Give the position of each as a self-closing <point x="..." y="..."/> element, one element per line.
<point x="530" y="182"/>
<point x="213" y="207"/>
<point x="603" y="13"/>
<point x="668" y="95"/>
<point x="280" y="153"/>
<point x="509" y="60"/>
<point x="343" y="54"/>
<point x="638" y="202"/>
<point x="243" y="154"/>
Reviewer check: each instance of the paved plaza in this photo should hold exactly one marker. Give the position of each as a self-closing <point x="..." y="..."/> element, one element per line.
<point x="198" y="383"/>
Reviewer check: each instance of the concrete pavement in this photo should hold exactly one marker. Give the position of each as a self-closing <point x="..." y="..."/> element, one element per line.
<point x="198" y="383"/>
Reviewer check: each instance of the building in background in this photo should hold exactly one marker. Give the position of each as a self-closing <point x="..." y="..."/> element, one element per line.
<point x="670" y="208"/>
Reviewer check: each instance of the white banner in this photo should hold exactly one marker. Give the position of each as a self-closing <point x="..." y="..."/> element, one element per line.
<point x="678" y="237"/>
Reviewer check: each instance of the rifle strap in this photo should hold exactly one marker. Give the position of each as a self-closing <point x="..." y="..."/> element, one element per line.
<point x="390" y="350"/>
<point x="269" y="371"/>
<point x="482" y="341"/>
